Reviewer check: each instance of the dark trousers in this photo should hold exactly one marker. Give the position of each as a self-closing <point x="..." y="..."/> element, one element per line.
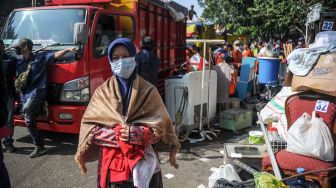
<point x="156" y="182"/>
<point x="4" y="177"/>
<point x="10" y="108"/>
<point x="31" y="109"/>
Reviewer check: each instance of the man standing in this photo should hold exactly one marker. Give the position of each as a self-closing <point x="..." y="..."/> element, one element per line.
<point x="8" y="66"/>
<point x="34" y="93"/>
<point x="237" y="56"/>
<point x="301" y="43"/>
<point x="254" y="48"/>
<point x="4" y="177"/>
<point x="148" y="62"/>
<point x="192" y="12"/>
<point x="247" y="51"/>
<point x="224" y="71"/>
<point x="197" y="61"/>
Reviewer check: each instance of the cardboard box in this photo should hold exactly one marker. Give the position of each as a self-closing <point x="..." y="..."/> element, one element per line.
<point x="322" y="78"/>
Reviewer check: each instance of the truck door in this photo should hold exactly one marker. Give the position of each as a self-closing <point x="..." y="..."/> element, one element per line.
<point x="106" y="27"/>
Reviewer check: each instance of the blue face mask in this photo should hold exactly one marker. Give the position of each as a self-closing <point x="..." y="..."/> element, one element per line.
<point x="123" y="67"/>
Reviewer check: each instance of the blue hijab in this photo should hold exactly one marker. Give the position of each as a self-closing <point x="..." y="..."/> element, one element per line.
<point x="125" y="85"/>
<point x="122" y="41"/>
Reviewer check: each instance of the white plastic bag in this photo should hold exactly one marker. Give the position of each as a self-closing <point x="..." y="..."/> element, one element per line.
<point x="224" y="171"/>
<point x="310" y="136"/>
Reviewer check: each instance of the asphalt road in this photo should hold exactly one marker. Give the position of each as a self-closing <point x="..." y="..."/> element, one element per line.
<point x="57" y="167"/>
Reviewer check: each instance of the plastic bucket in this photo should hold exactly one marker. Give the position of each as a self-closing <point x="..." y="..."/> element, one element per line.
<point x="256" y="137"/>
<point x="268" y="70"/>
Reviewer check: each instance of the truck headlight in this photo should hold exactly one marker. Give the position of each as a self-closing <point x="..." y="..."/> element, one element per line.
<point x="76" y="90"/>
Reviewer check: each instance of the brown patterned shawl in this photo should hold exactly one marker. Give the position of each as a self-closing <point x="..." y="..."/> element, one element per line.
<point x="105" y="108"/>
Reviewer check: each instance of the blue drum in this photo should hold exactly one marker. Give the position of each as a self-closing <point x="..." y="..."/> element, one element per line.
<point x="268" y="70"/>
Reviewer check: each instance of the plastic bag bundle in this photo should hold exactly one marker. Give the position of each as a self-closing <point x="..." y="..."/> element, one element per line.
<point x="224" y="171"/>
<point x="227" y="184"/>
<point x="264" y="179"/>
<point x="310" y="136"/>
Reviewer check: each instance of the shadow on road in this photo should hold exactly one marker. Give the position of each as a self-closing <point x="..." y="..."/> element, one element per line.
<point x="207" y="148"/>
<point x="55" y="143"/>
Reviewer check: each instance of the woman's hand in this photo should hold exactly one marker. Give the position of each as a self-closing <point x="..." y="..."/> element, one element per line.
<point x="124" y="133"/>
<point x="138" y="135"/>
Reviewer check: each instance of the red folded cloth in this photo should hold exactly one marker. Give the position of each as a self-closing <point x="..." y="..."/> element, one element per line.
<point x="5" y="132"/>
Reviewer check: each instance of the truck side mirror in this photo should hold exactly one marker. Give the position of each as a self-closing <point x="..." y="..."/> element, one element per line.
<point x="80" y="33"/>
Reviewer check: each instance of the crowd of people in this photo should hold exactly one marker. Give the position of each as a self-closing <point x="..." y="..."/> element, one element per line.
<point x="226" y="59"/>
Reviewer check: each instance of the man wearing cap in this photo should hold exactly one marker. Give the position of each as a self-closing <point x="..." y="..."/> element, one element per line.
<point x="290" y="42"/>
<point x="148" y="63"/>
<point x="8" y="66"/>
<point x="33" y="95"/>
<point x="197" y="61"/>
<point x="301" y="43"/>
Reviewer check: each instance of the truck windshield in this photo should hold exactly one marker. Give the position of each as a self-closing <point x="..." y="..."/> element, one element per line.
<point x="43" y="27"/>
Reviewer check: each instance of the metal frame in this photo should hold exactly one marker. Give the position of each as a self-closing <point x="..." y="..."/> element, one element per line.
<point x="201" y="131"/>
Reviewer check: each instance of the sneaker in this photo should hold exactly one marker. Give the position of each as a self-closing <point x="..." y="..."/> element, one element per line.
<point x="38" y="151"/>
<point x="10" y="148"/>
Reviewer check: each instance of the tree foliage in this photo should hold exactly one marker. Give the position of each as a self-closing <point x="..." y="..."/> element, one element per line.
<point x="266" y="18"/>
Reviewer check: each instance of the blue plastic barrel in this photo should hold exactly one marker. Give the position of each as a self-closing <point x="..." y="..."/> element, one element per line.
<point x="247" y="69"/>
<point x="268" y="70"/>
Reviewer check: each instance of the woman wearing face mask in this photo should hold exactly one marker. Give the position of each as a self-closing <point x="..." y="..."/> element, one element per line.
<point x="126" y="115"/>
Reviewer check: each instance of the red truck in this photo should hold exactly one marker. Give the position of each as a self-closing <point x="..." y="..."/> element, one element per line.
<point x="72" y="23"/>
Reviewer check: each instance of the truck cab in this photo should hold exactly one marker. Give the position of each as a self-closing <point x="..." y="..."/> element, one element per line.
<point x="82" y="24"/>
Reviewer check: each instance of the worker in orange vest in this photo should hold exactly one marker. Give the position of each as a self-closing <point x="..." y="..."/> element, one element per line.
<point x="237" y="56"/>
<point x="247" y="51"/>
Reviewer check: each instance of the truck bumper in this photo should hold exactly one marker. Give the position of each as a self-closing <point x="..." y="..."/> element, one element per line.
<point x="64" y="119"/>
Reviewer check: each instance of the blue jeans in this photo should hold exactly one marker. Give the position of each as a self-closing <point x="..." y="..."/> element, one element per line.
<point x="10" y="108"/>
<point x="4" y="177"/>
<point x="31" y="109"/>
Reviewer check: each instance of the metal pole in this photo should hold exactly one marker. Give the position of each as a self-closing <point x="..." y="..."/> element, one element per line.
<point x="203" y="73"/>
<point x="306" y="38"/>
<point x="269" y="149"/>
<point x="205" y="40"/>
<point x="33" y="3"/>
<point x="209" y="77"/>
